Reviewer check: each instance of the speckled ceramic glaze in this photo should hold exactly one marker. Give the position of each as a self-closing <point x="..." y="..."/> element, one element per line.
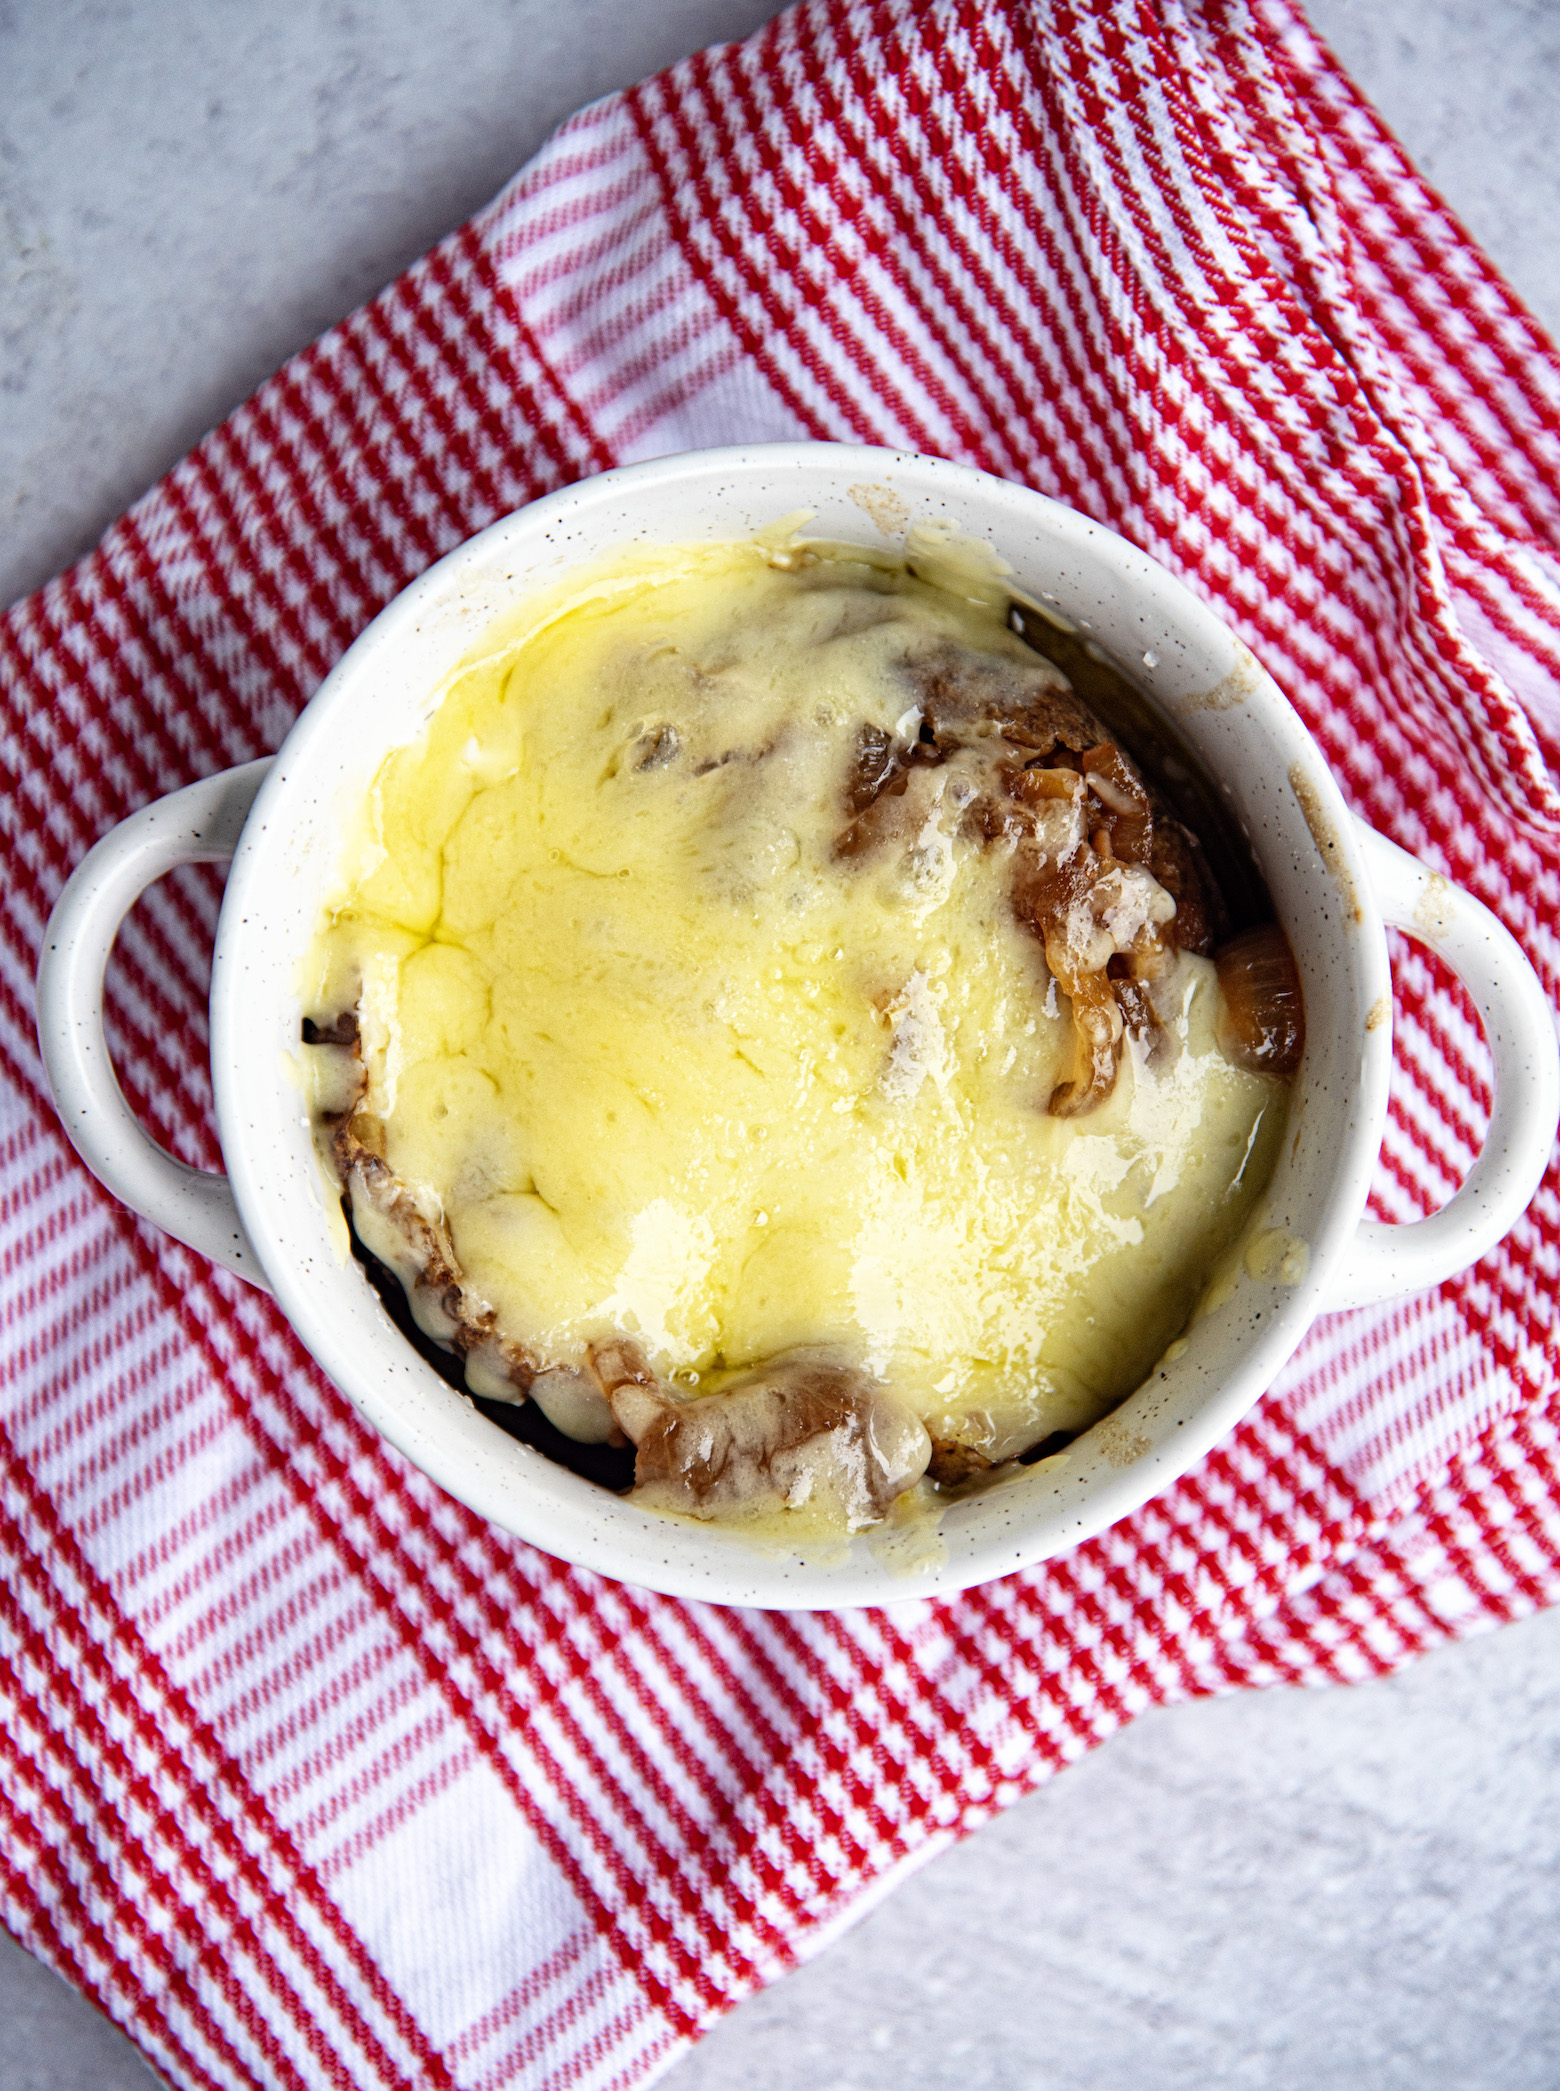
<point x="1331" y="880"/>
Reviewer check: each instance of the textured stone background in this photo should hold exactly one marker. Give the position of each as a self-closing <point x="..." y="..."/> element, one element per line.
<point x="1299" y="1891"/>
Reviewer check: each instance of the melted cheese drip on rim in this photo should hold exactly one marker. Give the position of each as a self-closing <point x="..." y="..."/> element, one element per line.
<point x="665" y="1065"/>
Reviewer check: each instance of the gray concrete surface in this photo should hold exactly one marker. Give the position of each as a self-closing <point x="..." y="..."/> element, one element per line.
<point x="1299" y="1891"/>
<point x="190" y="190"/>
<point x="1295" y="1892"/>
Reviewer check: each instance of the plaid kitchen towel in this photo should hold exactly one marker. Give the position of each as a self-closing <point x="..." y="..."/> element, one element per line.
<point x="310" y="1777"/>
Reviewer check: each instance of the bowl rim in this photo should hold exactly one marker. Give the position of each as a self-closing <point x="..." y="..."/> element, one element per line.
<point x="430" y="1424"/>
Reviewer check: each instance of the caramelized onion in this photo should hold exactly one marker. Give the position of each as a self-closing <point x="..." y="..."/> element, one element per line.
<point x="1128" y="818"/>
<point x="953" y="1463"/>
<point x="1098" y="1026"/>
<point x="1262" y="1020"/>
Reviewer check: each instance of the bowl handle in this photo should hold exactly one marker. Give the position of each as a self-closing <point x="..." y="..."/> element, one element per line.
<point x="1385" y="1262"/>
<point x="199" y="825"/>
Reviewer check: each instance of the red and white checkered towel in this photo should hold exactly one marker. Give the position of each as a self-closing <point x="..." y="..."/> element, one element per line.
<point x="312" y="1778"/>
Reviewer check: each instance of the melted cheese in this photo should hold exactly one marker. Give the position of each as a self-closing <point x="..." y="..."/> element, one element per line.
<point x="664" y="1064"/>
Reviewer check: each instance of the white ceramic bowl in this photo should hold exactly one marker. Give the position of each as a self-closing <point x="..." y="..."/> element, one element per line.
<point x="1333" y="883"/>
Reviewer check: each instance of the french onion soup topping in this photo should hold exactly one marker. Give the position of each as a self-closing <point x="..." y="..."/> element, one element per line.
<point x="771" y="1026"/>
